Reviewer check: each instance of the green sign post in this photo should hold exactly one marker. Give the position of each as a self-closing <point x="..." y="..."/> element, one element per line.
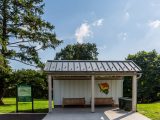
<point x="24" y="94"/>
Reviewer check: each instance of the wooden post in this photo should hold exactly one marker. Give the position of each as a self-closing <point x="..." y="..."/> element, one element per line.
<point x="92" y="96"/>
<point x="134" y="93"/>
<point x="32" y="95"/>
<point x="49" y="93"/>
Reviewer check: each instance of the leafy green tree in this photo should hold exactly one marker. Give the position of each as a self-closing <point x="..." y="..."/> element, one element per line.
<point x="4" y="75"/>
<point x="23" y="31"/>
<point x="85" y="51"/>
<point x="37" y="79"/>
<point x="149" y="83"/>
<point x="4" y="68"/>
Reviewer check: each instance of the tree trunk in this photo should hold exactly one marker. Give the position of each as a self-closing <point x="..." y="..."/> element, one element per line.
<point x="1" y="102"/>
<point x="1" y="90"/>
<point x="3" y="49"/>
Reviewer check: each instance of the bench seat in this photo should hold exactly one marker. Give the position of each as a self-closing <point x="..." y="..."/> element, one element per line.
<point x="104" y="101"/>
<point x="73" y="101"/>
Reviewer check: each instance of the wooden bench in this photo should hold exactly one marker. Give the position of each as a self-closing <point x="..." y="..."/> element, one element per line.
<point x="73" y="101"/>
<point x="104" y="101"/>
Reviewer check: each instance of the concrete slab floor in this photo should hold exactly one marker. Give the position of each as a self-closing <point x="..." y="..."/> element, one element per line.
<point x="76" y="114"/>
<point x="107" y="113"/>
<point x="117" y="114"/>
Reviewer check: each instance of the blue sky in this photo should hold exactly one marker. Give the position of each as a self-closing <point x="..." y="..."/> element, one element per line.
<point x="118" y="27"/>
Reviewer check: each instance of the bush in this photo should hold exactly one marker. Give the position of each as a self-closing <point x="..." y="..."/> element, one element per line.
<point x="148" y="84"/>
<point x="37" y="79"/>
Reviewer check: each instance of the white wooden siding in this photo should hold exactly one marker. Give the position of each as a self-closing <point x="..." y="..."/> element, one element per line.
<point x="82" y="88"/>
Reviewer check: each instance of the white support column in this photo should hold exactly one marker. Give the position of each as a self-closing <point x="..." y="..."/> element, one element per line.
<point x="49" y="93"/>
<point x="134" y="93"/>
<point x="92" y="96"/>
<point x="52" y="91"/>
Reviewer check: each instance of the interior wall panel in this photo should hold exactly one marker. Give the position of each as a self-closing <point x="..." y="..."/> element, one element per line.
<point x="82" y="88"/>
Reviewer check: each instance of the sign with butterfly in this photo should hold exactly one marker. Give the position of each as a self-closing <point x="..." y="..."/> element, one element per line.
<point x="104" y="87"/>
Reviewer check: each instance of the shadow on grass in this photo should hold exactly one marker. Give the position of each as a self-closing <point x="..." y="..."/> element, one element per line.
<point x="20" y="103"/>
<point x="6" y="105"/>
<point x="35" y="111"/>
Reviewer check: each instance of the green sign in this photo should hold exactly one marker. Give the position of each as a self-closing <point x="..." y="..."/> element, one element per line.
<point x="24" y="93"/>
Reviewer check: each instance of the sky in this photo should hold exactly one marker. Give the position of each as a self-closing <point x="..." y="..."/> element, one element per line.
<point x="118" y="27"/>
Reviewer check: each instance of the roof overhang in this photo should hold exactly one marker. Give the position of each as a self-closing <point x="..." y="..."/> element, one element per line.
<point x="91" y="73"/>
<point x="89" y="67"/>
<point x="87" y="77"/>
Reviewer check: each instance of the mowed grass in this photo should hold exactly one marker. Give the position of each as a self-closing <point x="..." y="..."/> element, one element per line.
<point x="40" y="106"/>
<point x="151" y="110"/>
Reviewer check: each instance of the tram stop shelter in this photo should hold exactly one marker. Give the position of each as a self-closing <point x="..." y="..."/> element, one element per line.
<point x="80" y="78"/>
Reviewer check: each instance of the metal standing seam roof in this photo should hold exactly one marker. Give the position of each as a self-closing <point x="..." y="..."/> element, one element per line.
<point x="91" y="66"/>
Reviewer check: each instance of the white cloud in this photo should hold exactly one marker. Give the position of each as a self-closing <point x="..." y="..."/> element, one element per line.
<point x="83" y="32"/>
<point x="98" y="22"/>
<point x="154" y="24"/>
<point x="123" y="36"/>
<point x="126" y="16"/>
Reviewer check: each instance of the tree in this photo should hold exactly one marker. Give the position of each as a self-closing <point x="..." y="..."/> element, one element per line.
<point x="4" y="68"/>
<point x="37" y="79"/>
<point x="4" y="74"/>
<point x="23" y="31"/>
<point x="85" y="51"/>
<point x="148" y="84"/>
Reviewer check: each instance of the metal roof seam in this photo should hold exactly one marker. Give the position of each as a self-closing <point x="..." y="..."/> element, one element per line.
<point x="132" y="66"/>
<point x="79" y="66"/>
<point x="108" y="66"/>
<point x="120" y="66"/>
<point x="49" y="66"/>
<point x="113" y="66"/>
<point x="125" y="66"/>
<point x="113" y="63"/>
<point x="55" y="66"/>
<point x="137" y="66"/>
<point x="91" y="66"/>
<point x="74" y="67"/>
<point x="62" y="67"/>
<point x="103" y="67"/>
<point x="68" y="66"/>
<point x="85" y="66"/>
<point x="98" y="69"/>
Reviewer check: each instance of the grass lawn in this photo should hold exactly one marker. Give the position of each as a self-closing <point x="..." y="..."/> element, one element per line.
<point x="40" y="106"/>
<point x="151" y="110"/>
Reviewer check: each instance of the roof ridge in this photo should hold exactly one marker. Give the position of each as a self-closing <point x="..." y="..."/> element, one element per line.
<point x="89" y="60"/>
